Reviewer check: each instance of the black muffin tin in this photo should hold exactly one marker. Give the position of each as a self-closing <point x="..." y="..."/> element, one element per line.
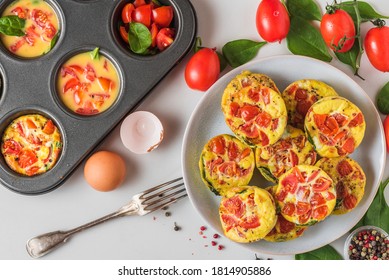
<point x="29" y="85"/>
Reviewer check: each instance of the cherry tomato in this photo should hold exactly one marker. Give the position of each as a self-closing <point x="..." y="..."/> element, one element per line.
<point x="338" y="30"/>
<point x="138" y="3"/>
<point x="127" y="12"/>
<point x="202" y="70"/>
<point x="27" y="158"/>
<point x="123" y="33"/>
<point x="165" y="38"/>
<point x="154" y="31"/>
<point x="142" y="15"/>
<point x="377" y="47"/>
<point x="11" y="147"/>
<point x="162" y="16"/>
<point x="272" y="20"/>
<point x="386" y="130"/>
<point x="49" y="127"/>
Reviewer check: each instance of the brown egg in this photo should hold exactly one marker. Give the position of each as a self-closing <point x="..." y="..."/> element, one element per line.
<point x="105" y="171"/>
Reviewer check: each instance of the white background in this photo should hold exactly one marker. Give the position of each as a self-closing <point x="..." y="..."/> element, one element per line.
<point x="152" y="236"/>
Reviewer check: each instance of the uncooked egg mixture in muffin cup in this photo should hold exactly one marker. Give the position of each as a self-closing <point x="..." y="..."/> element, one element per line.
<point x="64" y="88"/>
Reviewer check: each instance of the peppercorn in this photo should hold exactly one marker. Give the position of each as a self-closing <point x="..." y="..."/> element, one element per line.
<point x="369" y="245"/>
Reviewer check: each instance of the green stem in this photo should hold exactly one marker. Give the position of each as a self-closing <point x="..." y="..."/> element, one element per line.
<point x="359" y="37"/>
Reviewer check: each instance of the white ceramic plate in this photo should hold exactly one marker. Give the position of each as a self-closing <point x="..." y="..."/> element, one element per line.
<point x="207" y="121"/>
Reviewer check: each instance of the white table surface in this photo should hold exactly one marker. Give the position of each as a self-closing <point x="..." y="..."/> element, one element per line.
<point x="152" y="236"/>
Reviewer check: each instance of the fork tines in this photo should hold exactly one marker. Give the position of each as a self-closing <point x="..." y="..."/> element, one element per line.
<point x="163" y="195"/>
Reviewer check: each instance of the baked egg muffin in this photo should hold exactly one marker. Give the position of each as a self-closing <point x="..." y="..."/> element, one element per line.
<point x="299" y="97"/>
<point x="283" y="229"/>
<point x="335" y="126"/>
<point x="248" y="215"/>
<point x="253" y="109"/>
<point x="349" y="180"/>
<point x="225" y="163"/>
<point x="306" y="195"/>
<point x="292" y="149"/>
<point x="31" y="144"/>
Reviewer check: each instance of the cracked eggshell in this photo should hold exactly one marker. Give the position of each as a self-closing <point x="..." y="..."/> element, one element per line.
<point x="141" y="132"/>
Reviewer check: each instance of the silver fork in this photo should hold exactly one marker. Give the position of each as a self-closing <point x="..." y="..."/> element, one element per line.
<point x="141" y="204"/>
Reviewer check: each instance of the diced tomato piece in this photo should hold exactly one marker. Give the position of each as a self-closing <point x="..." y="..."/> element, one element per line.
<point x="165" y="38"/>
<point x="229" y="221"/>
<point x="330" y="196"/>
<point x="27" y="158"/>
<point x="162" y="16"/>
<point x="317" y="199"/>
<point x="235" y="109"/>
<point x="123" y="33"/>
<point x="234" y="206"/>
<point x="228" y="168"/>
<point x="49" y="127"/>
<point x="88" y="109"/>
<point x="332" y="125"/>
<point x="281" y="195"/>
<point x="320" y="119"/>
<point x="17" y="45"/>
<point x="253" y="94"/>
<point x="303" y="193"/>
<point x="11" y="147"/>
<point x="249" y="112"/>
<point x="249" y="130"/>
<point x="285" y="225"/>
<point x="302" y="208"/>
<point x="341" y="190"/>
<point x="217" y="145"/>
<point x="294" y="159"/>
<point x="356" y="121"/>
<point x="322" y="184"/>
<point x="138" y="3"/>
<point x="233" y="151"/>
<point x="301" y="94"/>
<point x="30" y="124"/>
<point x="299" y="176"/>
<point x="290" y="183"/>
<point x="105" y="84"/>
<point x="349" y="145"/>
<point x="20" y="12"/>
<point x="340" y="119"/>
<point x="264" y="138"/>
<point x="340" y="135"/>
<point x="40" y="18"/>
<point x="89" y="72"/>
<point x="154" y="31"/>
<point x="274" y="124"/>
<point x="265" y="94"/>
<point x="20" y="130"/>
<point x="34" y="139"/>
<point x="77" y="68"/>
<point x="288" y="209"/>
<point x="32" y="170"/>
<point x="313" y="176"/>
<point x="246" y="152"/>
<point x="250" y="222"/>
<point x="142" y="14"/>
<point x="303" y="219"/>
<point x="344" y="168"/>
<point x="303" y="106"/>
<point x="263" y="119"/>
<point x="350" y="202"/>
<point x="320" y="212"/>
<point x="71" y="84"/>
<point x="127" y="12"/>
<point x="247" y="82"/>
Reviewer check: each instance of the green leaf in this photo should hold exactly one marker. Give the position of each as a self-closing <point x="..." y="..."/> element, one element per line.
<point x="383" y="100"/>
<point x="366" y="11"/>
<point x="350" y="57"/>
<point x="239" y="52"/>
<point x="307" y="9"/>
<point x="304" y="39"/>
<point x="197" y="45"/>
<point x="326" y="252"/>
<point x="139" y="37"/>
<point x="12" y="25"/>
<point x="378" y="212"/>
<point x="222" y="61"/>
<point x="54" y="40"/>
<point x="95" y="54"/>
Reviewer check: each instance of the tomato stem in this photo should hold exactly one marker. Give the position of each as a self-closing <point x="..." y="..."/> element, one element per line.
<point x="379" y="22"/>
<point x="358" y="35"/>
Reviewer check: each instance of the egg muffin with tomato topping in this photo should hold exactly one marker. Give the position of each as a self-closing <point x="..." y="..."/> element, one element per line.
<point x="349" y="180"/>
<point x="254" y="109"/>
<point x="31" y="144"/>
<point x="283" y="229"/>
<point x="299" y="97"/>
<point x="335" y="126"/>
<point x="306" y="195"/>
<point x="248" y="215"/>
<point x="225" y="163"/>
<point x="292" y="149"/>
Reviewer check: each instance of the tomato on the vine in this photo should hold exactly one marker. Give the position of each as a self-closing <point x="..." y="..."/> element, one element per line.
<point x="386" y="130"/>
<point x="203" y="69"/>
<point x="377" y="47"/>
<point x="272" y="20"/>
<point x="338" y="30"/>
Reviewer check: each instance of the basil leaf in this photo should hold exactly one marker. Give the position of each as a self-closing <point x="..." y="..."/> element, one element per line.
<point x="326" y="252"/>
<point x="304" y="39"/>
<point x="139" y="37"/>
<point x="95" y="54"/>
<point x="307" y="9"/>
<point x="366" y="11"/>
<point x="222" y="61"/>
<point x="239" y="52"/>
<point x="12" y="25"/>
<point x="54" y="40"/>
<point x="350" y="57"/>
<point x="383" y="100"/>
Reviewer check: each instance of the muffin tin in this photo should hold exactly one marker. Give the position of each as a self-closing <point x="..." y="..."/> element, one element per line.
<point x="29" y="85"/>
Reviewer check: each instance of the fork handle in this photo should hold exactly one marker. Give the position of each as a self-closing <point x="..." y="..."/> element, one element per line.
<point x="43" y="244"/>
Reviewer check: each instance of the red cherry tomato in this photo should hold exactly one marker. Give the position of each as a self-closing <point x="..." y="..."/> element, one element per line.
<point x="377" y="47"/>
<point x="386" y="130"/>
<point x="138" y="3"/>
<point x="162" y="16"/>
<point x="27" y="158"/>
<point x="154" y="31"/>
<point x="338" y="30"/>
<point x="123" y="33"/>
<point x="272" y="20"/>
<point x="127" y="12"/>
<point x="142" y="15"/>
<point x="202" y="70"/>
<point x="165" y="38"/>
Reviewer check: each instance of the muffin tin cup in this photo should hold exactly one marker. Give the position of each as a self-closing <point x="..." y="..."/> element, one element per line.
<point x="28" y="85"/>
